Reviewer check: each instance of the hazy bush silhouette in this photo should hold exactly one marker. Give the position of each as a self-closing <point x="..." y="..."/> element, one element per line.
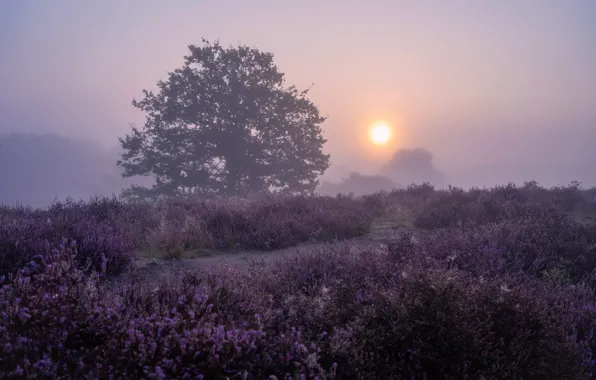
<point x="413" y="166"/>
<point x="358" y="184"/>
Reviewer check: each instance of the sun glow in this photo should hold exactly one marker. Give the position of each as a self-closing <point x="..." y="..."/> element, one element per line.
<point x="380" y="133"/>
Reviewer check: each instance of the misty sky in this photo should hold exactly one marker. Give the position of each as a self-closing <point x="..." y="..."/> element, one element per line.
<point x="493" y="89"/>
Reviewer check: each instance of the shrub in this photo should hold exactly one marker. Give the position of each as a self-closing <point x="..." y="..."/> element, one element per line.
<point x="336" y="312"/>
<point x="538" y="247"/>
<point x="60" y="323"/>
<point x="110" y="228"/>
<point x="457" y="208"/>
<point x="509" y="293"/>
<point x="24" y="238"/>
<point x="358" y="184"/>
<point x="447" y="325"/>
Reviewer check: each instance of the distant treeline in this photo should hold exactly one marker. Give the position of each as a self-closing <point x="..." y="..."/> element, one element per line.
<point x="406" y="166"/>
<point x="37" y="168"/>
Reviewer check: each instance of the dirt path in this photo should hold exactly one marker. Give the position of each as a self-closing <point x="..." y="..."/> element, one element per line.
<point x="152" y="268"/>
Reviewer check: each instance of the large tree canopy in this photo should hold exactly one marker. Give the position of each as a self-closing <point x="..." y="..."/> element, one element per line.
<point x="225" y="123"/>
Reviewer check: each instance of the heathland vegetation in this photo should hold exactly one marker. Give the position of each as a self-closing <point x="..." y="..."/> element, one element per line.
<point x="478" y="284"/>
<point x="492" y="283"/>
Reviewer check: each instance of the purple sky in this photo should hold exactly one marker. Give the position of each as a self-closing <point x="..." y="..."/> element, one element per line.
<point x="488" y="87"/>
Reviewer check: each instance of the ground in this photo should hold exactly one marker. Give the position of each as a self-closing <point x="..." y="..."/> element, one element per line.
<point x="151" y="267"/>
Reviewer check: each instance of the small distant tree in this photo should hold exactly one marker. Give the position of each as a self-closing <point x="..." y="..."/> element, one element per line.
<point x="225" y="123"/>
<point x="413" y="166"/>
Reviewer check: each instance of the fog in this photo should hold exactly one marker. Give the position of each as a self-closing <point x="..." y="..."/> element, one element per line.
<point x="492" y="92"/>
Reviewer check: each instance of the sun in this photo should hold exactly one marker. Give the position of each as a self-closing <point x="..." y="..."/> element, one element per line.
<point x="380" y="132"/>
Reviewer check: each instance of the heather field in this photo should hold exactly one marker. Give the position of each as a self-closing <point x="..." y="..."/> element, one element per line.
<point x="408" y="284"/>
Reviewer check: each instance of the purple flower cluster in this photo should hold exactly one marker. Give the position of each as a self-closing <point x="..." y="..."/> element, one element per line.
<point x="510" y="295"/>
<point x="110" y="231"/>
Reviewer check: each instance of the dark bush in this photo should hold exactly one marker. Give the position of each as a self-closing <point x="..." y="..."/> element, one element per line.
<point x="446" y="325"/>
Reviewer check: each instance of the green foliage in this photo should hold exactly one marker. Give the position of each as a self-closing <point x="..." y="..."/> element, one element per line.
<point x="225" y="123"/>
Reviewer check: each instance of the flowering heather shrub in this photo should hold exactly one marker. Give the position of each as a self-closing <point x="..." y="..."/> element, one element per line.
<point x="509" y="295"/>
<point x="334" y="313"/>
<point x="459" y="208"/>
<point x="266" y="223"/>
<point x="420" y="191"/>
<point x="61" y="323"/>
<point x="453" y="208"/>
<point x="284" y="222"/>
<point x="18" y="211"/>
<point x="109" y="228"/>
<point x="447" y="325"/>
<point x="551" y="246"/>
<point x="397" y="321"/>
<point x="22" y="239"/>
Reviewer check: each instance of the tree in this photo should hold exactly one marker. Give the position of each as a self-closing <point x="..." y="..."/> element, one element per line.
<point x="226" y="124"/>
<point x="413" y="166"/>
